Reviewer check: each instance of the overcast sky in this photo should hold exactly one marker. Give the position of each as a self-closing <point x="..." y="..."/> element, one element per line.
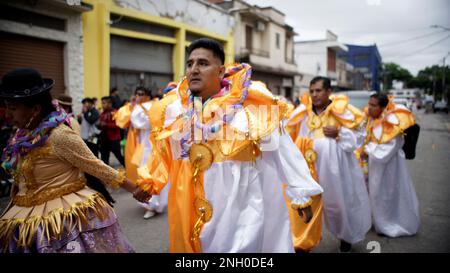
<point x="400" y="28"/>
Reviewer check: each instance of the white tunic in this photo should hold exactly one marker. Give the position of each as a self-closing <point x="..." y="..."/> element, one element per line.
<point x="139" y="120"/>
<point x="346" y="202"/>
<point x="395" y="207"/>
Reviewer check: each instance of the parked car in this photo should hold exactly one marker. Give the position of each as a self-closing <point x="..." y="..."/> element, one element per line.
<point x="440" y="106"/>
<point x="402" y="101"/>
<point x="357" y="98"/>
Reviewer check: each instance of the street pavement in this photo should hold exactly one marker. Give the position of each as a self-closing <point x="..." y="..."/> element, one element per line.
<point x="430" y="171"/>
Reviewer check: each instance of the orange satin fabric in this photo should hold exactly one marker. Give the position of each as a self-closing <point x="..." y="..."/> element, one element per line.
<point x="133" y="149"/>
<point x="306" y="236"/>
<point x="390" y="131"/>
<point x="182" y="215"/>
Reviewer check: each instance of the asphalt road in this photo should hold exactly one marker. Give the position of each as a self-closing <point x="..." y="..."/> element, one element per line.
<point x="430" y="171"/>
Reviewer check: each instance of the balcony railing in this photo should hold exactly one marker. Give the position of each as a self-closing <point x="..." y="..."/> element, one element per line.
<point x="254" y="51"/>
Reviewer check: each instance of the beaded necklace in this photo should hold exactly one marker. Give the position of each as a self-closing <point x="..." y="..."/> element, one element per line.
<point x="214" y="126"/>
<point x="25" y="140"/>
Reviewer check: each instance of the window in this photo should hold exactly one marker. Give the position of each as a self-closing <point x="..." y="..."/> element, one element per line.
<point x="119" y="21"/>
<point x="31" y="18"/>
<point x="362" y="57"/>
<point x="248" y="37"/>
<point x="277" y="40"/>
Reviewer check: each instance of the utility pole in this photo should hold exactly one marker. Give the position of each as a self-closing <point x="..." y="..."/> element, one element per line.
<point x="444" y="88"/>
<point x="434" y="84"/>
<point x="444" y="92"/>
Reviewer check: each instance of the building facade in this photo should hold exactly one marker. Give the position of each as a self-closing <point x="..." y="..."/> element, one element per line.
<point x="139" y="42"/>
<point x="319" y="58"/>
<point x="367" y="61"/>
<point x="45" y="35"/>
<point x="266" y="42"/>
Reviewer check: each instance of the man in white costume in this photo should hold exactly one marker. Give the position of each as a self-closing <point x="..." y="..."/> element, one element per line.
<point x="138" y="124"/>
<point x="329" y="125"/>
<point x="395" y="208"/>
<point x="225" y="193"/>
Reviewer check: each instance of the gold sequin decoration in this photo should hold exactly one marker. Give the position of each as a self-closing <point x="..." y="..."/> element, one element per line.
<point x="32" y="199"/>
<point x="52" y="225"/>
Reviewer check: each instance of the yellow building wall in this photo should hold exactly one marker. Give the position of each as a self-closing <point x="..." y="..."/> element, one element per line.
<point x="96" y="43"/>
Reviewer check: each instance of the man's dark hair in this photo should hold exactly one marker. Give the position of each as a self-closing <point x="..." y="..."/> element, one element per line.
<point x="382" y="99"/>
<point x="89" y="100"/>
<point x="147" y="91"/>
<point x="107" y="98"/>
<point x="210" y="44"/>
<point x="325" y="81"/>
<point x="114" y="89"/>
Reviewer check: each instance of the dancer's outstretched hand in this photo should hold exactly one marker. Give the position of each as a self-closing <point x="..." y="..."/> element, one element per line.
<point x="307" y="212"/>
<point x="137" y="192"/>
<point x="141" y="195"/>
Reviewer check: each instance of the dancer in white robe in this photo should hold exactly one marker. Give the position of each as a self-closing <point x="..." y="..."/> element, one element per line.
<point x="331" y="124"/>
<point x="395" y="208"/>
<point x="135" y="117"/>
<point x="139" y="120"/>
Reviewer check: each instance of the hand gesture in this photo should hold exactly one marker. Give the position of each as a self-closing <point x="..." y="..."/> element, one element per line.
<point x="141" y="195"/>
<point x="330" y="131"/>
<point x="363" y="155"/>
<point x="307" y="212"/>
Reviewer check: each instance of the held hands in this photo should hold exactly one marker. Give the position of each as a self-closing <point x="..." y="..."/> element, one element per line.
<point x="307" y="212"/>
<point x="141" y="195"/>
<point x="138" y="193"/>
<point x="330" y="131"/>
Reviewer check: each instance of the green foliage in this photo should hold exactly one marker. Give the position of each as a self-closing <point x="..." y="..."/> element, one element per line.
<point x="393" y="71"/>
<point x="430" y="79"/>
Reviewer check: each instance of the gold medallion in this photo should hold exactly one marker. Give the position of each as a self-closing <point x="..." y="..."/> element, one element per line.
<point x="203" y="209"/>
<point x="201" y="156"/>
<point x="310" y="155"/>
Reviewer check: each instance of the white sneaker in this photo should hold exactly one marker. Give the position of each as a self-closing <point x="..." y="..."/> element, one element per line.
<point x="149" y="214"/>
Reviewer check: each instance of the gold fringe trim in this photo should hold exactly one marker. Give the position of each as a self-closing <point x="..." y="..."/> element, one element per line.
<point x="34" y="199"/>
<point x="52" y="225"/>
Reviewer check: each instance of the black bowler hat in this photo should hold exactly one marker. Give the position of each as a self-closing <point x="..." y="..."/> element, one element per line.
<point x="24" y="82"/>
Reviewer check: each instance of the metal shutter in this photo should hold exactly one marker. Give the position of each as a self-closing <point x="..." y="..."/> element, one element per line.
<point x="43" y="55"/>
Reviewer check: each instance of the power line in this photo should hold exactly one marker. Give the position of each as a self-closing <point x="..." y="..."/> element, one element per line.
<point x="364" y="31"/>
<point x="422" y="49"/>
<point x="411" y="39"/>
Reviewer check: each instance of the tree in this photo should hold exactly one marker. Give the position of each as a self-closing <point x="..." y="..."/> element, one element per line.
<point x="393" y="71"/>
<point x="431" y="80"/>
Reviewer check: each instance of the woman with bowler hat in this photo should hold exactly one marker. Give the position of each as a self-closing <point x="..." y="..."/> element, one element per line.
<point x="52" y="209"/>
<point x="65" y="101"/>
